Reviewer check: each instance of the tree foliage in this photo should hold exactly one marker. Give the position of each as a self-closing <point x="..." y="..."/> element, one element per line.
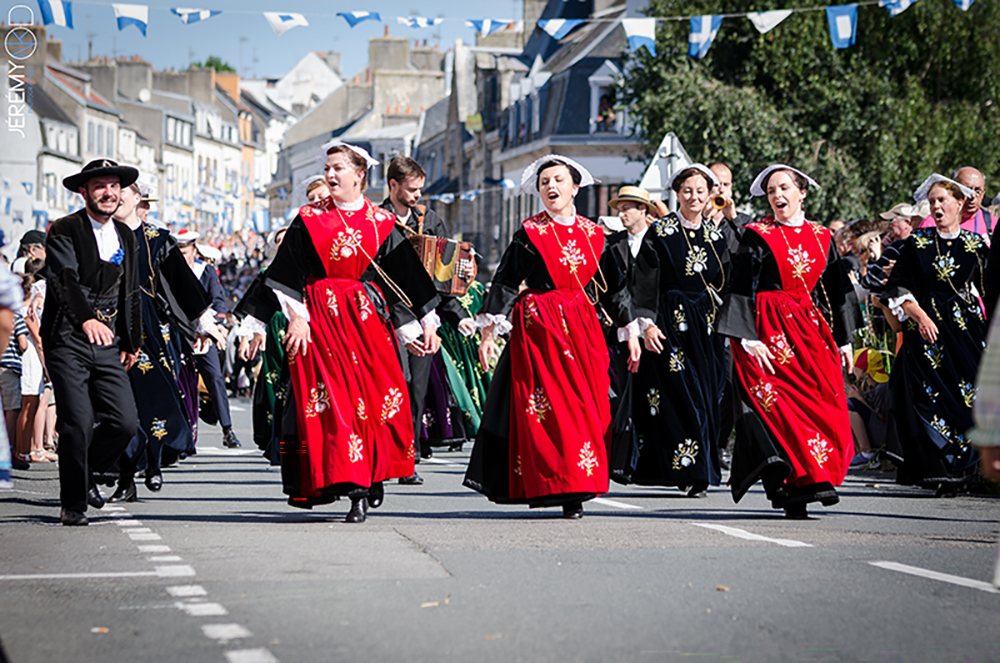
<point x="916" y="94"/>
<point x="216" y="63"/>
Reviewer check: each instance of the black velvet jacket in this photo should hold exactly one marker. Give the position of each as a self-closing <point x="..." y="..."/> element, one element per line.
<point x="76" y="274"/>
<point x="164" y="275"/>
<point x="640" y="272"/>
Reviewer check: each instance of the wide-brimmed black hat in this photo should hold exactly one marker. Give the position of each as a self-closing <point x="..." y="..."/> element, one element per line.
<point x="100" y="168"/>
<point x="33" y="237"/>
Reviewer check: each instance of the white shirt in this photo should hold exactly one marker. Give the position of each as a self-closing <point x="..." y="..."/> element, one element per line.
<point x="635" y="241"/>
<point x="108" y="242"/>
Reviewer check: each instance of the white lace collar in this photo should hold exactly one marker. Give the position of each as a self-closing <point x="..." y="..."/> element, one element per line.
<point x="795" y="221"/>
<point x="944" y="235"/>
<point x="690" y="225"/>
<point x="563" y="220"/>
<point x="352" y="206"/>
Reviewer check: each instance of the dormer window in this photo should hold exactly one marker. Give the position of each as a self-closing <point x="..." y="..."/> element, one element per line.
<point x="605" y="114"/>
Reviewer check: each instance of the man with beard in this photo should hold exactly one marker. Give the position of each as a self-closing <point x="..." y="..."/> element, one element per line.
<point x="91" y="331"/>
<point x="406" y="179"/>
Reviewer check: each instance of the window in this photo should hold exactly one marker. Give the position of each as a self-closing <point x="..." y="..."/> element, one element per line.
<point x="605" y="114"/>
<point x="171" y="130"/>
<point x="186" y="139"/>
<point x="90" y="136"/>
<point x="111" y="142"/>
<point x="100" y="140"/>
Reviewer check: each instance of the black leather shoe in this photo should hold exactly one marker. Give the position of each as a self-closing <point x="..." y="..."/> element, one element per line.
<point x="125" y="493"/>
<point x="94" y="498"/>
<point x="358" y="512"/>
<point x="73" y="518"/>
<point x="376" y="495"/>
<point x="699" y="489"/>
<point x="573" y="511"/>
<point x="415" y="480"/>
<point x="229" y="440"/>
<point x="797" y="512"/>
<point x="154" y="482"/>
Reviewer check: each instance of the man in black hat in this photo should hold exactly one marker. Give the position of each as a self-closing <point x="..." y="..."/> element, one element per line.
<point x="91" y="331"/>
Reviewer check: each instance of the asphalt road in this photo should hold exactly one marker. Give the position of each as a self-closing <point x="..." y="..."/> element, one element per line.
<point x="218" y="568"/>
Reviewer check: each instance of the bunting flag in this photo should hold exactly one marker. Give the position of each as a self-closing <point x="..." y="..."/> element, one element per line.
<point x="137" y="15"/>
<point x="640" y="32"/>
<point x="418" y="21"/>
<point x="896" y="7"/>
<point x="282" y="23"/>
<point x="557" y="28"/>
<point x="703" y="31"/>
<point x="843" y="20"/>
<point x="767" y="21"/>
<point x="353" y="18"/>
<point x="487" y="26"/>
<point x="57" y="12"/>
<point x="961" y="4"/>
<point x="194" y="15"/>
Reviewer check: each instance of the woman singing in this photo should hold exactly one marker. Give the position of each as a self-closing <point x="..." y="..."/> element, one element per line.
<point x="793" y="309"/>
<point x="541" y="440"/>
<point x="934" y="289"/>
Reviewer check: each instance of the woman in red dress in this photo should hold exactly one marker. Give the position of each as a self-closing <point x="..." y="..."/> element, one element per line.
<point x="542" y="436"/>
<point x="794" y="310"/>
<point x="336" y="277"/>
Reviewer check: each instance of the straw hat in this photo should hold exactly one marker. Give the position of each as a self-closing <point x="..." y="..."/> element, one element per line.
<point x="633" y="194"/>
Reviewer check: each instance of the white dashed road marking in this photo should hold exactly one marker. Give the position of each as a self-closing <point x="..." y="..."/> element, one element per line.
<point x="250" y="656"/>
<point x="225" y="631"/>
<point x="743" y="534"/>
<point x="934" y="575"/>
<point x="617" y="505"/>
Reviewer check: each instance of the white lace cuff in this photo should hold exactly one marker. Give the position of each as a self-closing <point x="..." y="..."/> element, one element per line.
<point x="631" y="330"/>
<point x="206" y="322"/>
<point x="499" y="322"/>
<point x="896" y="305"/>
<point x="750" y="344"/>
<point x="250" y="326"/>
<point x="290" y="305"/>
<point x="846" y="348"/>
<point x="431" y="320"/>
<point x="410" y="332"/>
<point x="645" y="323"/>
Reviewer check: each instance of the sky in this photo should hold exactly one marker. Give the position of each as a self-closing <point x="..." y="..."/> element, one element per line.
<point x="242" y="37"/>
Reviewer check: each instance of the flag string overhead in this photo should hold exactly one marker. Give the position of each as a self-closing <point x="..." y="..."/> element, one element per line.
<point x="353" y="18"/>
<point x="57" y="12"/>
<point x="194" y="15"/>
<point x="282" y="23"/>
<point x="137" y="15"/>
<point x="640" y="32"/>
<point x="419" y="21"/>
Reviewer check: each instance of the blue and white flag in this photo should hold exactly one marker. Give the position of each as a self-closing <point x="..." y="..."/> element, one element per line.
<point x="961" y="4"/>
<point x="353" y="18"/>
<point x="897" y="7"/>
<point x="28" y="187"/>
<point x="57" y="12"/>
<point x="508" y="183"/>
<point x="487" y="26"/>
<point x="703" y="31"/>
<point x="194" y="15"/>
<point x="557" y="28"/>
<point x="137" y="15"/>
<point x="419" y="21"/>
<point x="471" y="195"/>
<point x="767" y="21"/>
<point x="282" y="23"/>
<point x="843" y="21"/>
<point x="640" y="32"/>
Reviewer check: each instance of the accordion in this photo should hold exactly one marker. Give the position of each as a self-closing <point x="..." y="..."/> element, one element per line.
<point x="450" y="264"/>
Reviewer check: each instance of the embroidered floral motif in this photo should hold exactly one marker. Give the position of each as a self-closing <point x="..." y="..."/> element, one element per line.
<point x="653" y="398"/>
<point x="165" y="331"/>
<point x="921" y="241"/>
<point x="762" y="228"/>
<point x="820" y="449"/>
<point x="588" y="459"/>
<point x="319" y="400"/>
<point x="968" y="393"/>
<point x="562" y="319"/>
<point x="361" y="410"/>
<point x="780" y="348"/>
<point x="158" y="428"/>
<point x="355" y="445"/>
<point x="697" y="261"/>
<point x="143" y="363"/>
<point x="685" y="454"/>
<point x="587" y="226"/>
<point x="680" y="319"/>
<point x="945" y="266"/>
<point x="676" y="360"/>
<point x="800" y="260"/>
<point x="934" y="355"/>
<point x="411" y="452"/>
<point x="972" y="242"/>
<point x="941" y="426"/>
<point x="538" y="404"/>
<point x="392" y="404"/>
<point x="346" y="244"/>
<point x="272" y="376"/>
<point x="712" y="234"/>
<point x="331" y="302"/>
<point x="150" y="231"/>
<point x="765" y="394"/>
<point x="956" y="311"/>
<point x="668" y="225"/>
<point x="364" y="305"/>
<point x="572" y="256"/>
<point x="931" y="393"/>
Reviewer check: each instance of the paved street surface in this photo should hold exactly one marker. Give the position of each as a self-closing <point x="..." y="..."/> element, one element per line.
<point x="218" y="568"/>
